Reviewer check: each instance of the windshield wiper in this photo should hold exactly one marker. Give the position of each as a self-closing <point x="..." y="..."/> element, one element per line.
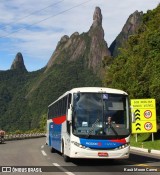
<point x="92" y="128"/>
<point x="111" y="127"/>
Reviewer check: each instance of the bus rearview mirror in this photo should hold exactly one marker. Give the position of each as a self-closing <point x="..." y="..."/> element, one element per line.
<point x="132" y="115"/>
<point x="69" y="117"/>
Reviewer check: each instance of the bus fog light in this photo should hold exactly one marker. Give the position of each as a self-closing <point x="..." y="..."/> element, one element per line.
<point x="123" y="146"/>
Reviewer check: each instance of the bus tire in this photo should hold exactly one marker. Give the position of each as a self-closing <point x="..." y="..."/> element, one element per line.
<point x="65" y="157"/>
<point x="52" y="150"/>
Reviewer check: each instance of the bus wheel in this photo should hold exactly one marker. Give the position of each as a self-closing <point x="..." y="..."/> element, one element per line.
<point x="52" y="150"/>
<point x="65" y="157"/>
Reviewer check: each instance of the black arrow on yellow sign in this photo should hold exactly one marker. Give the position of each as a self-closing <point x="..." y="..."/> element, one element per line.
<point x="137" y="111"/>
<point x="137" y="114"/>
<point x="137" y="118"/>
<point x="138" y="129"/>
<point x="138" y="124"/>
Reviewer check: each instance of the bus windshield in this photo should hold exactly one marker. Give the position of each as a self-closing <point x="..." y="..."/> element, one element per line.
<point x="100" y="114"/>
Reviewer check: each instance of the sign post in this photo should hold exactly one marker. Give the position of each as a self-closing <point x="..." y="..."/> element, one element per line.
<point x="136" y="138"/>
<point x="144" y="116"/>
<point x="152" y="137"/>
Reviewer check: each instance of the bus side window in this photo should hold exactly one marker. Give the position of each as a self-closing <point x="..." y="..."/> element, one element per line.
<point x="65" y="104"/>
<point x="58" y="109"/>
<point x="69" y="100"/>
<point x="49" y="113"/>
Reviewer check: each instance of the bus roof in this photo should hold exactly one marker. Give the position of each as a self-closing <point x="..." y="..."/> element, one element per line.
<point x="97" y="89"/>
<point x="92" y="89"/>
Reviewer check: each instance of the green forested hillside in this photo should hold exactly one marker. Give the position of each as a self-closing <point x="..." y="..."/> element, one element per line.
<point x="13" y="104"/>
<point x="24" y="97"/>
<point x="137" y="67"/>
<point x="76" y="62"/>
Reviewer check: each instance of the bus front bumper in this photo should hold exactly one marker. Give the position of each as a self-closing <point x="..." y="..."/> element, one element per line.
<point x="77" y="152"/>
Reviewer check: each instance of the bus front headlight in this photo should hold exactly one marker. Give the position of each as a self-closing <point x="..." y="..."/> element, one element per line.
<point x="123" y="146"/>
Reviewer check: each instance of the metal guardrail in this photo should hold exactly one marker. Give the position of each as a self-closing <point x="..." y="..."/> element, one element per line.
<point x="23" y="136"/>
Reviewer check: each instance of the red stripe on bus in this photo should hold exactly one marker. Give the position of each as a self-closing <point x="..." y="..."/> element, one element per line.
<point x="119" y="141"/>
<point x="59" y="120"/>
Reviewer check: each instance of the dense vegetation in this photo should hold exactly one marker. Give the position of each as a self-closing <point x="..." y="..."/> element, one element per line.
<point x="24" y="97"/>
<point x="137" y="67"/>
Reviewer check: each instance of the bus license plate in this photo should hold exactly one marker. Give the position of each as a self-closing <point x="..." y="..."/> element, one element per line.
<point x="103" y="154"/>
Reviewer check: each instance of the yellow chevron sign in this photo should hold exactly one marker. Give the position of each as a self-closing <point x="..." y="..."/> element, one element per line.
<point x="143" y="115"/>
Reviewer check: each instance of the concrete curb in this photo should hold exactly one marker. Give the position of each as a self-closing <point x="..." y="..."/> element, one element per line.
<point x="145" y="150"/>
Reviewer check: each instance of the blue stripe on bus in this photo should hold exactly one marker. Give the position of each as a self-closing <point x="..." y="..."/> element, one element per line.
<point x="55" y="136"/>
<point x="91" y="143"/>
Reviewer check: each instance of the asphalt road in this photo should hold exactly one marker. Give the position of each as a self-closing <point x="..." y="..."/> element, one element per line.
<point x="34" y="152"/>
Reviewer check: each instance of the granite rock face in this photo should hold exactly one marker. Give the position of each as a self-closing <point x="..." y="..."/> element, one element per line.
<point x="130" y="28"/>
<point x="89" y="46"/>
<point x="18" y="63"/>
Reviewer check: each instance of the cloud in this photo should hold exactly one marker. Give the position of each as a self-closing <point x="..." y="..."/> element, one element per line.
<point x="38" y="40"/>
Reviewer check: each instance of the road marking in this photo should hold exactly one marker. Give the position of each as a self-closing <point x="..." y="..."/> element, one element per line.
<point x="43" y="152"/>
<point x="42" y="146"/>
<point x="63" y="169"/>
<point x="142" y="165"/>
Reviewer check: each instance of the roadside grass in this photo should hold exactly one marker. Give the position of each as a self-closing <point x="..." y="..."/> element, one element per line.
<point x="145" y="141"/>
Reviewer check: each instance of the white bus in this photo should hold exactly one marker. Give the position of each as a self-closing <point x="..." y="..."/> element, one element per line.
<point x="90" y="122"/>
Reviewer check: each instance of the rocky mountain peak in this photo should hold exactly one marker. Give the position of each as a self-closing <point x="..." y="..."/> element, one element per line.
<point x="90" y="46"/>
<point x="64" y="39"/>
<point x="130" y="28"/>
<point x="18" y="63"/>
<point x="133" y="23"/>
<point x="97" y="17"/>
<point x="96" y="27"/>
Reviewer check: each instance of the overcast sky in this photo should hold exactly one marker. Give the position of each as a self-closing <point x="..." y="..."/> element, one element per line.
<point x="34" y="27"/>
